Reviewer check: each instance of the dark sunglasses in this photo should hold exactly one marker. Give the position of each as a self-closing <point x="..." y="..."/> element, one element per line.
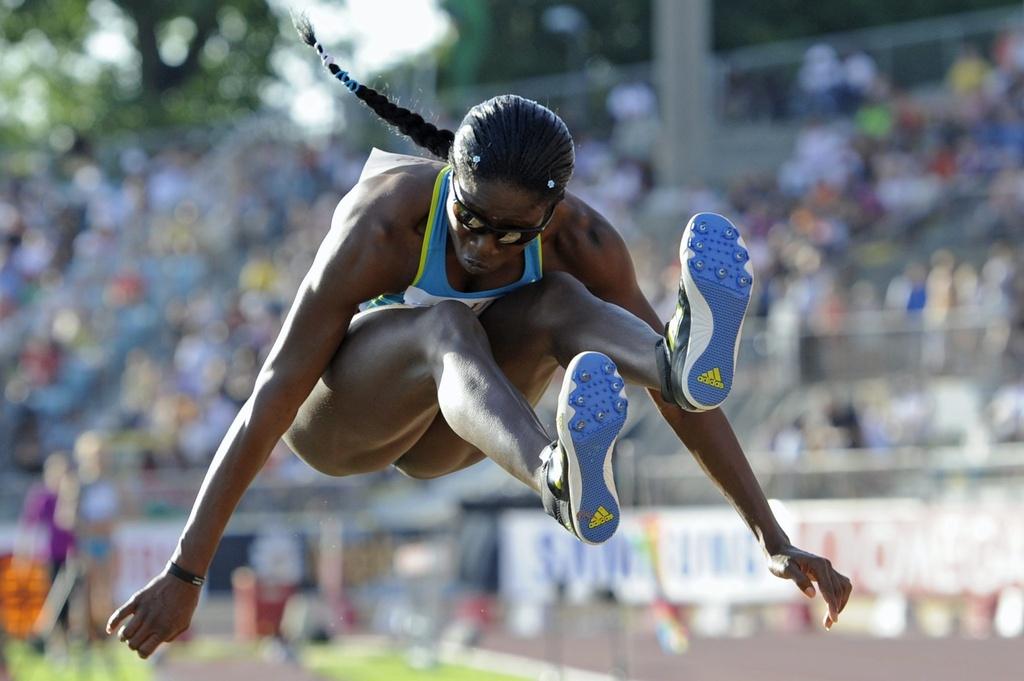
<point x="507" y="236"/>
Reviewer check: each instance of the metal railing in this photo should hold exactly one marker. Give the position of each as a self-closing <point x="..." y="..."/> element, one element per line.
<point x="968" y="343"/>
<point x="968" y="473"/>
<point x="643" y="478"/>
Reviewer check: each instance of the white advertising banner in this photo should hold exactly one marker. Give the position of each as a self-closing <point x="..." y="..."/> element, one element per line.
<point x="704" y="555"/>
<point x="707" y="555"/>
<point x="142" y="550"/>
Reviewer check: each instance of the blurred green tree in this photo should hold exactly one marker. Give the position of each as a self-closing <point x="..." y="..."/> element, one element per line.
<point x="500" y="40"/>
<point x="95" y="66"/>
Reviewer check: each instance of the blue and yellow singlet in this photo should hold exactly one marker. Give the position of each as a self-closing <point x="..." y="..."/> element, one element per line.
<point x="430" y="286"/>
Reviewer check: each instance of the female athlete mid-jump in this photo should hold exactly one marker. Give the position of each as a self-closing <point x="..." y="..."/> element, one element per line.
<point x="434" y="315"/>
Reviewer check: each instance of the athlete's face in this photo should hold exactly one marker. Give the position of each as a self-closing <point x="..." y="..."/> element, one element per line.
<point x="488" y="206"/>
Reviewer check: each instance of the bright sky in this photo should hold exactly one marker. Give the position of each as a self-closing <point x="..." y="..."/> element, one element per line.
<point x="382" y="32"/>
<point x="382" y="40"/>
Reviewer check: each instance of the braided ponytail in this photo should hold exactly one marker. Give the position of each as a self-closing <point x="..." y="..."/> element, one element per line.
<point x="506" y="138"/>
<point x="435" y="140"/>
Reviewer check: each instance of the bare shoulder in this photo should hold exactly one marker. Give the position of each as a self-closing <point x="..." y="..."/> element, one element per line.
<point x="584" y="244"/>
<point x="376" y="232"/>
<point x="387" y="206"/>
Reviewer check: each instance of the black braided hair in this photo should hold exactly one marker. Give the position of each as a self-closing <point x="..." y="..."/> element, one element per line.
<point x="506" y="138"/>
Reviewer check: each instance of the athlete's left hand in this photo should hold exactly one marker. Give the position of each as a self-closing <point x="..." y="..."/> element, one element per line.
<point x="801" y="566"/>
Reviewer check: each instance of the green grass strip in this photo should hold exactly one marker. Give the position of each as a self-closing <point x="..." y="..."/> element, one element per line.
<point x="338" y="662"/>
<point x="109" y="662"/>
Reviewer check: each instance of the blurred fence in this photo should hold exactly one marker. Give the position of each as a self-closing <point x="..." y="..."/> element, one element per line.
<point x="645" y="476"/>
<point x="968" y="473"/>
<point x="887" y="344"/>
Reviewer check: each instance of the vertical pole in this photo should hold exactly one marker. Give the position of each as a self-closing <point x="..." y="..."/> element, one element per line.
<point x="682" y="41"/>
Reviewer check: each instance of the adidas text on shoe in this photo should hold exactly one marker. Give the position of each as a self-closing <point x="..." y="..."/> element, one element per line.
<point x="702" y="339"/>
<point x="712" y="378"/>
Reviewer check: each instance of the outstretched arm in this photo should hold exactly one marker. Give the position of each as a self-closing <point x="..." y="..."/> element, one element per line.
<point x="709" y="436"/>
<point x="355" y="262"/>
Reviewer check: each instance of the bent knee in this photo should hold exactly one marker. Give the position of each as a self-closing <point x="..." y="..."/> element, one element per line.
<point x="561" y="283"/>
<point x="559" y="294"/>
<point x="449" y="323"/>
<point x="451" y="314"/>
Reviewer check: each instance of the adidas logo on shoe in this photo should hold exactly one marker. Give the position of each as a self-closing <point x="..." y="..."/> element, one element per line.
<point x="600" y="517"/>
<point x="698" y="357"/>
<point x="578" y="466"/>
<point x="712" y="378"/>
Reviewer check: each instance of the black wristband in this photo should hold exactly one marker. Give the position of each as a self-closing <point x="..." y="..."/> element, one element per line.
<point x="175" y="570"/>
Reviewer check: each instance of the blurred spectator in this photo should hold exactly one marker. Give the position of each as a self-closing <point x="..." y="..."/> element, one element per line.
<point x="47" y="530"/>
<point x="940" y="296"/>
<point x="1009" y="52"/>
<point x="875" y="118"/>
<point x="821" y="80"/>
<point x="98" y="511"/>
<point x="908" y="292"/>
<point x="634" y="109"/>
<point x="968" y="73"/>
<point x="1006" y="412"/>
<point x="860" y="75"/>
<point x="823" y="155"/>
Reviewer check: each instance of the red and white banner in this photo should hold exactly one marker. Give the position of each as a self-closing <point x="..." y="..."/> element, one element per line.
<point x="915" y="548"/>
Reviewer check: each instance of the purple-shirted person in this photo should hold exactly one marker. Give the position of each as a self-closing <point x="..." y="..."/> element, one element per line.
<point x="49" y="517"/>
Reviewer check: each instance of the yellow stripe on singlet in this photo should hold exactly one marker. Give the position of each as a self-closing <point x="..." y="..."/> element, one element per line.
<point x="438" y="185"/>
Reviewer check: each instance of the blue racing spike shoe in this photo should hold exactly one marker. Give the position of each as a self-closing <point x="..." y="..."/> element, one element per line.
<point x="580" y="490"/>
<point x="698" y="358"/>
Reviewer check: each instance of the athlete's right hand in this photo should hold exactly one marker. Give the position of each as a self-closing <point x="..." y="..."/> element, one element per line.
<point x="158" y="613"/>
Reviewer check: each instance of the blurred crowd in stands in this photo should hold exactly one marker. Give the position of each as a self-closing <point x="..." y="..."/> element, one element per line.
<point x="140" y="296"/>
<point x="932" y="183"/>
<point x="141" y="288"/>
